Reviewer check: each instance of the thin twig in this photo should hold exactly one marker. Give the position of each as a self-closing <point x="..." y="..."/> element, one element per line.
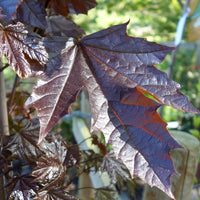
<point x="104" y="188"/>
<point x="77" y="175"/>
<point x="84" y="161"/>
<point x="180" y="2"/>
<point x="13" y="92"/>
<point x="4" y="67"/>
<point x="84" y="140"/>
<point x="27" y="82"/>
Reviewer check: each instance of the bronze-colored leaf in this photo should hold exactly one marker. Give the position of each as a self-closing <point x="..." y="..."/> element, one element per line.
<point x="54" y="194"/>
<point x="60" y="26"/>
<point x="64" y="7"/>
<point x="114" y="167"/>
<point x="20" y="187"/>
<point x="117" y="69"/>
<point x="20" y="47"/>
<point x="50" y="170"/>
<point x="23" y="144"/>
<point x="32" y="13"/>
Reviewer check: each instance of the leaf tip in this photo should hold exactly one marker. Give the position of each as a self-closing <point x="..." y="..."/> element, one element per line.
<point x="128" y="22"/>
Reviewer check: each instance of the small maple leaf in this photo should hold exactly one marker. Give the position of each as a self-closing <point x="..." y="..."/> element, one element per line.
<point x="117" y="69"/>
<point x="114" y="167"/>
<point x="24" y="143"/>
<point x="54" y="194"/>
<point x="50" y="169"/>
<point x="20" y="187"/>
<point x="21" y="48"/>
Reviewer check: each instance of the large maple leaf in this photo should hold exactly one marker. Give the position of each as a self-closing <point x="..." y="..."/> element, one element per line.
<point x="116" y="69"/>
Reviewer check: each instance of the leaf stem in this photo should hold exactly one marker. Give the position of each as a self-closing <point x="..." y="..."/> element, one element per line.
<point x="13" y="91"/>
<point x="4" y="67"/>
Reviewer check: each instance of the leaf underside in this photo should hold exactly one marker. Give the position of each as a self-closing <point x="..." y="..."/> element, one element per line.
<point x="24" y="143"/>
<point x="50" y="170"/>
<point x="114" y="167"/>
<point x="20" y="186"/>
<point x="21" y="49"/>
<point x="54" y="194"/>
<point x="116" y="69"/>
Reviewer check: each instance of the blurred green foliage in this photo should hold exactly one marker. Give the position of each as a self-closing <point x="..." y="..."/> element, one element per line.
<point x="155" y="20"/>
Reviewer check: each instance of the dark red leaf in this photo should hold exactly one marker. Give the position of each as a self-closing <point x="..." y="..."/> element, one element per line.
<point x="114" y="167"/>
<point x="21" y="48"/>
<point x="64" y="7"/>
<point x="24" y="143"/>
<point x="54" y="45"/>
<point x="32" y="13"/>
<point x="128" y="69"/>
<point x="73" y="156"/>
<point x="54" y="194"/>
<point x="20" y="187"/>
<point x="50" y="170"/>
<point x="9" y="9"/>
<point x="132" y="129"/>
<point x="116" y="69"/>
<point x="132" y="57"/>
<point x="60" y="26"/>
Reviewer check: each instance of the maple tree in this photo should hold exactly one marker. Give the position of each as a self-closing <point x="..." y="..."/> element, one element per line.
<point x="39" y="40"/>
